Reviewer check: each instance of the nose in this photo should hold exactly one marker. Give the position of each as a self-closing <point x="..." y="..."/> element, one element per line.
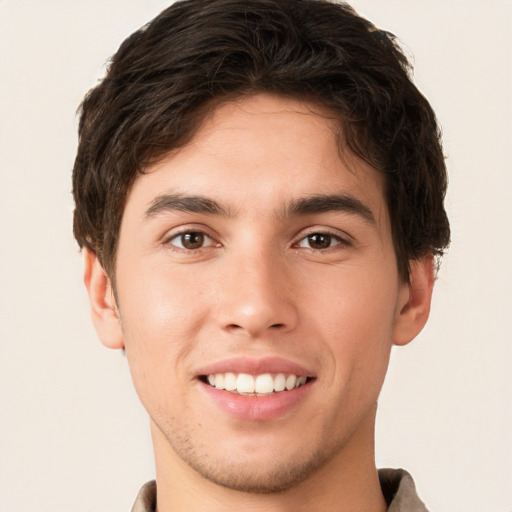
<point x="257" y="296"/>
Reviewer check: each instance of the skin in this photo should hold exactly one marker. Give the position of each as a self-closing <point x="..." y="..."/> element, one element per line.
<point x="319" y="289"/>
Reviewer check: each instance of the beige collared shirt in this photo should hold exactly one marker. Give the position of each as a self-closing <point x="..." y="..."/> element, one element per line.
<point x="397" y="486"/>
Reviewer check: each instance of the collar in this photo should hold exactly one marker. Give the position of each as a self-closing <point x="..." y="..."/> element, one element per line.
<point x="397" y="486"/>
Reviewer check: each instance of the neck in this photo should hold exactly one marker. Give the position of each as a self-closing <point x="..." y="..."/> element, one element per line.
<point x="347" y="482"/>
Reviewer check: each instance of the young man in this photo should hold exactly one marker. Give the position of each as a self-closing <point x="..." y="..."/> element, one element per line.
<point x="259" y="193"/>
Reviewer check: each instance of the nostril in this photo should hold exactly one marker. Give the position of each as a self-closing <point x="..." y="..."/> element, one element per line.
<point x="277" y="326"/>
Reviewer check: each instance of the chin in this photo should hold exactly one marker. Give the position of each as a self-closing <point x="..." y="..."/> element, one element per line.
<point x="267" y="474"/>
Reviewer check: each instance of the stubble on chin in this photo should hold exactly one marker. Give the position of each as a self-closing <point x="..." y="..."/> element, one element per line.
<point x="237" y="471"/>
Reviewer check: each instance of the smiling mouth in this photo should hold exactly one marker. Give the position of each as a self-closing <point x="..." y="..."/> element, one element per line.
<point x="264" y="384"/>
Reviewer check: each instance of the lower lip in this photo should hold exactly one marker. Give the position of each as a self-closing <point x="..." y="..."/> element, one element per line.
<point x="257" y="408"/>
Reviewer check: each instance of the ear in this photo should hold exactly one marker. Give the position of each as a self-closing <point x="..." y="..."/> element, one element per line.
<point x="413" y="306"/>
<point x="104" y="311"/>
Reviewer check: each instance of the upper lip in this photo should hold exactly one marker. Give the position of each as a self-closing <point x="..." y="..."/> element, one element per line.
<point x="255" y="366"/>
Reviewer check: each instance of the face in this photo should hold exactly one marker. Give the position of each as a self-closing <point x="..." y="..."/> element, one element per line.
<point x="258" y="297"/>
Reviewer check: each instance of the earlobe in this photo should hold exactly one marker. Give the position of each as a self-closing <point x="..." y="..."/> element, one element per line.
<point x="413" y="307"/>
<point x="101" y="298"/>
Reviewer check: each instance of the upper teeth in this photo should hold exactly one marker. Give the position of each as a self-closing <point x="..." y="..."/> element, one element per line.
<point x="263" y="384"/>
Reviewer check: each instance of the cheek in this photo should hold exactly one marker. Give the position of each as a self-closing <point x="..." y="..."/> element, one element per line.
<point x="355" y="317"/>
<point x="360" y="299"/>
<point x="157" y="302"/>
<point x="160" y="318"/>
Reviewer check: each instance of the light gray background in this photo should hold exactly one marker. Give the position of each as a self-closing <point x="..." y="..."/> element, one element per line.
<point x="72" y="434"/>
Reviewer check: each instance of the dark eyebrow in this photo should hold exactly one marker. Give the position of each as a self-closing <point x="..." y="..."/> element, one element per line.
<point x="312" y="204"/>
<point x="330" y="203"/>
<point x="182" y="203"/>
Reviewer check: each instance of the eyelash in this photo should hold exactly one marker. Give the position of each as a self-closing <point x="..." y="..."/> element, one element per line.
<point x="197" y="232"/>
<point x="339" y="241"/>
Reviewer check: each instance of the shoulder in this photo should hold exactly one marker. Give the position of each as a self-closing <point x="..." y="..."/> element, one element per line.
<point x="146" y="499"/>
<point x="399" y="491"/>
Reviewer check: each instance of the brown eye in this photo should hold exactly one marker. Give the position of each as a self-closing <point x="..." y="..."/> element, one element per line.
<point x="319" y="241"/>
<point x="191" y="240"/>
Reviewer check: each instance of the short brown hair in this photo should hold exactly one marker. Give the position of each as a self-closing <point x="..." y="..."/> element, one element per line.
<point x="165" y="76"/>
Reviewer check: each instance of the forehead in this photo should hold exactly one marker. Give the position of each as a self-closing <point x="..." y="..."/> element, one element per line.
<point x="263" y="150"/>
